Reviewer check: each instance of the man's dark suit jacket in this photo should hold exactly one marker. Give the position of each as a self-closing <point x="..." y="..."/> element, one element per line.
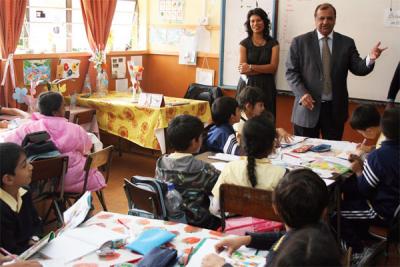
<point x="304" y="74"/>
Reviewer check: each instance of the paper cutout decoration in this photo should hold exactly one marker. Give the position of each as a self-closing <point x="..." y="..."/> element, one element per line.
<point x="20" y="94"/>
<point x="68" y="68"/>
<point x="36" y="70"/>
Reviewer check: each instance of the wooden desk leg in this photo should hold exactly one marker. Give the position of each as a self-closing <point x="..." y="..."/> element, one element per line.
<point x="119" y="146"/>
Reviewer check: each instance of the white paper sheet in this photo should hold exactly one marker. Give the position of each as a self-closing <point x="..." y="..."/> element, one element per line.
<point x="219" y="165"/>
<point x="243" y="256"/>
<point x="224" y="157"/>
<point x="121" y="85"/>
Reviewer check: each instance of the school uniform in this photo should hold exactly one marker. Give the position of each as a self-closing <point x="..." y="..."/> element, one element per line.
<point x="374" y="196"/>
<point x="18" y="221"/>
<point x="222" y="138"/>
<point x="235" y="172"/>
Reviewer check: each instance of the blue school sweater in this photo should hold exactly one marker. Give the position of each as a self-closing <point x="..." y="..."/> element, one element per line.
<point x="222" y="138"/>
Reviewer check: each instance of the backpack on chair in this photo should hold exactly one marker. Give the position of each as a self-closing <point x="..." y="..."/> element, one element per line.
<point x="38" y="145"/>
<point x="203" y="92"/>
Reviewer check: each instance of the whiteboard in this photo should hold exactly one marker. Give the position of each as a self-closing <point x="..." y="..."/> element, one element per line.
<point x="362" y="20"/>
<point x="233" y="17"/>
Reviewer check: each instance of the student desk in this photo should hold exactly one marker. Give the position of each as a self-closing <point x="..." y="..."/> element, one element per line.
<point x="187" y="237"/>
<point x="119" y="115"/>
<point x="286" y="158"/>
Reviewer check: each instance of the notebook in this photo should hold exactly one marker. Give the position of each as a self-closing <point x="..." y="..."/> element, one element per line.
<point x="78" y="242"/>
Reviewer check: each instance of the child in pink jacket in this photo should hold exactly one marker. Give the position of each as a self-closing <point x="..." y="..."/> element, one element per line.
<point x="70" y="139"/>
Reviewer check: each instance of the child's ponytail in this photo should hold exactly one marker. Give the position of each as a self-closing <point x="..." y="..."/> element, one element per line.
<point x="258" y="140"/>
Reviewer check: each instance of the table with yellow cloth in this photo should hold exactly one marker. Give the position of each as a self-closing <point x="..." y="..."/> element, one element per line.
<point x="119" y="115"/>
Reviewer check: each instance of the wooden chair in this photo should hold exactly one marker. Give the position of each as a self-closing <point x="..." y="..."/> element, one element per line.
<point x="67" y="114"/>
<point x="94" y="160"/>
<point x="143" y="199"/>
<point x="246" y="201"/>
<point x="84" y="117"/>
<point x="49" y="174"/>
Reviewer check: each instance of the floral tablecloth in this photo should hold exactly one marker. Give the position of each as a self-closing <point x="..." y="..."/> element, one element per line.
<point x="187" y="237"/>
<point x="119" y="115"/>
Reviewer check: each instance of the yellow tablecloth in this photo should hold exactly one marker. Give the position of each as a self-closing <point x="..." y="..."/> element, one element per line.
<point x="117" y="114"/>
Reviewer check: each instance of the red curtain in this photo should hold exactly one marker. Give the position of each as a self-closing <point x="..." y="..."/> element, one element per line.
<point x="12" y="14"/>
<point x="97" y="17"/>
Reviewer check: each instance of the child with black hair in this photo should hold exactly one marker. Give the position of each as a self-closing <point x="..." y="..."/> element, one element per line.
<point x="251" y="103"/>
<point x="70" y="139"/>
<point x="365" y="120"/>
<point x="312" y="246"/>
<point x="192" y="178"/>
<point x="254" y="170"/>
<point x="373" y="195"/>
<point x="19" y="222"/>
<point x="300" y="199"/>
<point x="221" y="136"/>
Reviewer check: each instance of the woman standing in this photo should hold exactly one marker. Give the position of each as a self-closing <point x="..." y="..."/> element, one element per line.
<point x="259" y="57"/>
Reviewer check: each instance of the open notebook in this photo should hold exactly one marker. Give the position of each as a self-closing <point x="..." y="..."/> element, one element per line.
<point x="78" y="242"/>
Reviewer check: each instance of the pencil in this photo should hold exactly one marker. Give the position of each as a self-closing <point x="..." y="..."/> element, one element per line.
<point x="121" y="222"/>
<point x="364" y="141"/>
<point x="4" y="251"/>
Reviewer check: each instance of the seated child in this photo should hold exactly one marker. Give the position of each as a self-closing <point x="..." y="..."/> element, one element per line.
<point x="221" y="136"/>
<point x="70" y="139"/>
<point x="373" y="196"/>
<point x="365" y="120"/>
<point x="300" y="199"/>
<point x="193" y="178"/>
<point x="304" y="249"/>
<point x="11" y="111"/>
<point x="19" y="222"/>
<point x="254" y="170"/>
<point x="251" y="103"/>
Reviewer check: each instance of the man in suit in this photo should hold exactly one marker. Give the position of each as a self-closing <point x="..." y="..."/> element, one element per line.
<point x="316" y="70"/>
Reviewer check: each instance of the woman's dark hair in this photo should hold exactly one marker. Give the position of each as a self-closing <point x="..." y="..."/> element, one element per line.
<point x="182" y="130"/>
<point x="310" y="246"/>
<point x="300" y="198"/>
<point x="222" y="109"/>
<point x="50" y="102"/>
<point x="263" y="15"/>
<point x="251" y="95"/>
<point x="390" y="124"/>
<point x="9" y="155"/>
<point x="365" y="116"/>
<point x="258" y="140"/>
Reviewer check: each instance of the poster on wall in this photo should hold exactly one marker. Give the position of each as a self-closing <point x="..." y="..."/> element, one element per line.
<point x="68" y="68"/>
<point x="187" y="50"/>
<point x="118" y="67"/>
<point x="171" y="10"/>
<point x="35" y="70"/>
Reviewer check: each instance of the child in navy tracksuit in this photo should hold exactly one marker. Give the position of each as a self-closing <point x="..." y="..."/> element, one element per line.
<point x="222" y="137"/>
<point x="374" y="196"/>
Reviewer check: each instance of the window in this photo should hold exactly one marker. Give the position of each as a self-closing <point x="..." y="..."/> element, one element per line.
<point x="53" y="26"/>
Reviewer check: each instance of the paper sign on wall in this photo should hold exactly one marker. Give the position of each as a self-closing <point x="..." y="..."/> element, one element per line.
<point x="205" y="76"/>
<point x="187" y="50"/>
<point x="151" y="100"/>
<point x="118" y="67"/>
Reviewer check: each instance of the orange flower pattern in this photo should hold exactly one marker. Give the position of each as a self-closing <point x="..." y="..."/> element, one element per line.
<point x="137" y="124"/>
<point x="186" y="237"/>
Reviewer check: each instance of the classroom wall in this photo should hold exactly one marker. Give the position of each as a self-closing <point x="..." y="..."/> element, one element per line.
<point x="164" y="75"/>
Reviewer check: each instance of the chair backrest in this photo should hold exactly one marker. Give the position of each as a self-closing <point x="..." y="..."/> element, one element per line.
<point x="203" y="92"/>
<point x="143" y="199"/>
<point x="96" y="159"/>
<point x="246" y="201"/>
<point x="84" y="117"/>
<point x="67" y="114"/>
<point x="52" y="168"/>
